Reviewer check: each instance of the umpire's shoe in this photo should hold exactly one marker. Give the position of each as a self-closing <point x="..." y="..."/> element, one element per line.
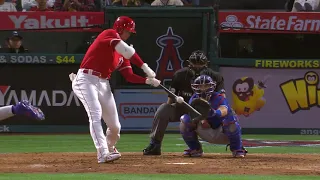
<point x="152" y="149"/>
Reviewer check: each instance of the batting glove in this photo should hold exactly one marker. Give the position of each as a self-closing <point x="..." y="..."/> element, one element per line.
<point x="72" y="76"/>
<point x="153" y="82"/>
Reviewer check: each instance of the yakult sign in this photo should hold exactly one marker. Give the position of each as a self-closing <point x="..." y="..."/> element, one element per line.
<point x="268" y="22"/>
<point x="45" y="20"/>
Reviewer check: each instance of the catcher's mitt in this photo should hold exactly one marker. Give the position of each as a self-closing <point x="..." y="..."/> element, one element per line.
<point x="202" y="106"/>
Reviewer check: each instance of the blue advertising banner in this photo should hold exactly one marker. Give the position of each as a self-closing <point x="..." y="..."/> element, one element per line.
<point x="136" y="108"/>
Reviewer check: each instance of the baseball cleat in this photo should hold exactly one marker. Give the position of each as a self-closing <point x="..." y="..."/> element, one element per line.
<point x="114" y="150"/>
<point x="110" y="158"/>
<point x="193" y="153"/>
<point x="25" y="108"/>
<point x="152" y="149"/>
<point x="239" y="153"/>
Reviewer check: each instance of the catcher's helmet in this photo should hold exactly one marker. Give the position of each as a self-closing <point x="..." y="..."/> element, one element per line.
<point x="204" y="86"/>
<point x="124" y="23"/>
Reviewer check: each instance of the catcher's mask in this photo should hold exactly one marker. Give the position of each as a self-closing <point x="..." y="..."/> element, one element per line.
<point x="197" y="61"/>
<point x="204" y="86"/>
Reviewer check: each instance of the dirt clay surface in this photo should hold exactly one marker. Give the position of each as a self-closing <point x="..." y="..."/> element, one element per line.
<point x="293" y="164"/>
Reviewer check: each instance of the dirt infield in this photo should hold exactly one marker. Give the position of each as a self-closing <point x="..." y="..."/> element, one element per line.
<point x="280" y="164"/>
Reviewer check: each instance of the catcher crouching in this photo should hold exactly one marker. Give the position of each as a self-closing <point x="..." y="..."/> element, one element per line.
<point x="217" y="125"/>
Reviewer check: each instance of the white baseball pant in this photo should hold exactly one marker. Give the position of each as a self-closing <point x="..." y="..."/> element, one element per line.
<point x="6" y="112"/>
<point x="97" y="99"/>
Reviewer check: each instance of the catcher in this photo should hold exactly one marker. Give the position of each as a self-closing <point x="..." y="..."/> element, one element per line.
<point x="217" y="125"/>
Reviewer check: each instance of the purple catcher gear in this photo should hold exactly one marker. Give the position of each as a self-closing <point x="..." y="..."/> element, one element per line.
<point x="233" y="130"/>
<point x="193" y="153"/>
<point x="190" y="137"/>
<point x="26" y="109"/>
<point x="204" y="86"/>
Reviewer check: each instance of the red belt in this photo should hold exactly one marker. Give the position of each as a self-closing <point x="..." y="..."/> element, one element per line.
<point x="95" y="73"/>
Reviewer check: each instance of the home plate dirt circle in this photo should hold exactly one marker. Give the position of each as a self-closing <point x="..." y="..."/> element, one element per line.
<point x="277" y="164"/>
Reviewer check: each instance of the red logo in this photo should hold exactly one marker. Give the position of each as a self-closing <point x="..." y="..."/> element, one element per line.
<point x="169" y="61"/>
<point x="4" y="89"/>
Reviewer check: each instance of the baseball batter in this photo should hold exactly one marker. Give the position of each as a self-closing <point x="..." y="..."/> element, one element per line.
<point x="22" y="108"/>
<point x="219" y="127"/>
<point x="108" y="53"/>
<point x="170" y="111"/>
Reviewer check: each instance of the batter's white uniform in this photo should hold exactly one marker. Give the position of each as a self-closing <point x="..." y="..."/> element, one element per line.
<point x="91" y="85"/>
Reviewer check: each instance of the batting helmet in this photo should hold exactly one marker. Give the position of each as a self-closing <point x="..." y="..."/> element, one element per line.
<point x="124" y="23"/>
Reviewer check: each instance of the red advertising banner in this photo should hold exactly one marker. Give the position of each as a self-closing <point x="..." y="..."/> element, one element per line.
<point x="51" y="20"/>
<point x="269" y="22"/>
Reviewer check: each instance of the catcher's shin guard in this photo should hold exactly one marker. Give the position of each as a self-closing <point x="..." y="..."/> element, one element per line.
<point x="233" y="130"/>
<point x="189" y="135"/>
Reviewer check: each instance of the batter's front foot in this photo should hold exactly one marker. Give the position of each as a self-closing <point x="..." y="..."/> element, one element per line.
<point x="152" y="149"/>
<point x="114" y="150"/>
<point x="110" y="158"/>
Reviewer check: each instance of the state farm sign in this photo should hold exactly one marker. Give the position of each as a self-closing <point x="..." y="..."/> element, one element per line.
<point x="268" y="22"/>
<point x="49" y="20"/>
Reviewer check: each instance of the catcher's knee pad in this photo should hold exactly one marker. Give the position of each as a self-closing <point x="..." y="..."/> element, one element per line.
<point x="233" y="131"/>
<point x="186" y="123"/>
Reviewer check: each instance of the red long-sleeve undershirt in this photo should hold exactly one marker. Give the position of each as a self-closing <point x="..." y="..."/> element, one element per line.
<point x="128" y="74"/>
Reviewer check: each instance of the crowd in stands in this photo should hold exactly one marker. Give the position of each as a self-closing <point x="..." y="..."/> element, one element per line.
<point x="302" y="5"/>
<point x="83" y="5"/>
<point x="97" y="5"/>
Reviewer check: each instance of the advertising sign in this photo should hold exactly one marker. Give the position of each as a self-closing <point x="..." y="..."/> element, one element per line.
<point x="50" y="20"/>
<point x="274" y="98"/>
<point x="45" y="86"/>
<point x="268" y="22"/>
<point x="40" y="58"/>
<point x="136" y="108"/>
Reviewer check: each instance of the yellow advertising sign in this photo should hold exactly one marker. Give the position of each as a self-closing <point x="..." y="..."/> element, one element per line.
<point x="302" y="93"/>
<point x="287" y="64"/>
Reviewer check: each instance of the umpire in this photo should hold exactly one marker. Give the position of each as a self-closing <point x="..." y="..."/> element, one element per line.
<point x="181" y="86"/>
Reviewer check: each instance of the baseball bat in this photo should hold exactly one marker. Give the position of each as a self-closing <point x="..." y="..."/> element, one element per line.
<point x="172" y="95"/>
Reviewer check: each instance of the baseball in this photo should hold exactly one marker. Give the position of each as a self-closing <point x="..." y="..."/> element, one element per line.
<point x="179" y="99"/>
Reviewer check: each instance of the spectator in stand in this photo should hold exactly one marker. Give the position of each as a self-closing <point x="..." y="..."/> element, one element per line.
<point x="191" y="2"/>
<point x="16" y="3"/>
<point x="41" y="6"/>
<point x="27" y="4"/>
<point x="128" y="3"/>
<point x="7" y="6"/>
<point x="302" y="5"/>
<point x="167" y="3"/>
<point x="14" y="43"/>
<point x="74" y="5"/>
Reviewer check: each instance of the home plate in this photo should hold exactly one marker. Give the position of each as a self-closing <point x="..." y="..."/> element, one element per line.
<point x="180" y="163"/>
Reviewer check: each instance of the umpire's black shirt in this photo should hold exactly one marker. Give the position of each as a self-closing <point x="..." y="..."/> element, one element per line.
<point x="182" y="79"/>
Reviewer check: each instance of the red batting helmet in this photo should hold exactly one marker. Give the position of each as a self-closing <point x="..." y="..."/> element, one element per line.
<point x="124" y="23"/>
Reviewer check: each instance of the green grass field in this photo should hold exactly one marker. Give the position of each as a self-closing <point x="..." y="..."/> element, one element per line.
<point x="135" y="143"/>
